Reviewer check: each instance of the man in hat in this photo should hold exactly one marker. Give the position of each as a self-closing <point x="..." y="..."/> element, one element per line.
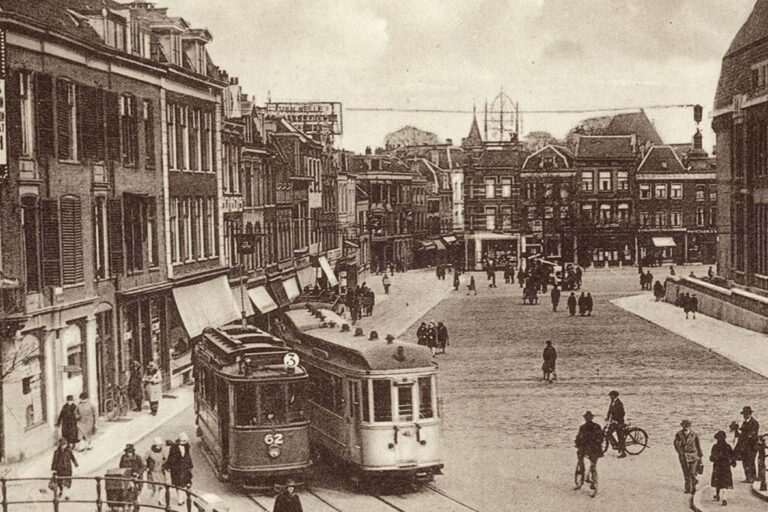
<point x="615" y="420"/>
<point x="179" y="465"/>
<point x="134" y="462"/>
<point x="550" y="357"/>
<point x="288" y="500"/>
<point x="689" y="454"/>
<point x="589" y="443"/>
<point x="746" y="445"/>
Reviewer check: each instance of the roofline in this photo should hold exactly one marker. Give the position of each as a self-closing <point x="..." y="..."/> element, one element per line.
<point x="554" y="148"/>
<point x="667" y="146"/>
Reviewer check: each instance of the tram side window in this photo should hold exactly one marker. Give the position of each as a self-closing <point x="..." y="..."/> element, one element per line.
<point x="327" y="391"/>
<point x="366" y="410"/>
<point x="272" y="403"/>
<point x="405" y="403"/>
<point x="382" y="400"/>
<point x="246" y="404"/>
<point x="425" y="397"/>
<point x="296" y="393"/>
<point x="207" y="387"/>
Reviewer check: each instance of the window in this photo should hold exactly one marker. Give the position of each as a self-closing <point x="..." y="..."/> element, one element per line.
<point x="661" y="219"/>
<point x="586" y="181"/>
<point x="606" y="214"/>
<point x="170" y="126"/>
<point x="66" y="120"/>
<point x="210" y="228"/>
<point x="622" y="180"/>
<point x="713" y="193"/>
<point x="645" y="191"/>
<point x="27" y="123"/>
<point x="490" y="188"/>
<point x="644" y="218"/>
<point x="586" y="213"/>
<point x="604" y="179"/>
<point x="129" y="130"/>
<point x="135" y="229"/>
<point x="506" y="187"/>
<point x="530" y="191"/>
<point x="676" y="219"/>
<point x="759" y="75"/>
<point x="173" y="217"/>
<point x="660" y="191"/>
<point x="563" y="212"/>
<point x="194" y="139"/>
<point x="206" y="143"/>
<point x="71" y="240"/>
<point x="183" y="229"/>
<point x="506" y="217"/>
<point x="181" y="138"/>
<point x="115" y="33"/>
<point x="490" y="218"/>
<point x="382" y="400"/>
<point x="676" y="191"/>
<point x="405" y="403"/>
<point x="152" y="247"/>
<point x="623" y="212"/>
<point x="700" y="192"/>
<point x="100" y="240"/>
<point x="713" y="217"/>
<point x="149" y="134"/>
<point x="549" y="212"/>
<point x="194" y="219"/>
<point x="31" y="227"/>
<point x="701" y="216"/>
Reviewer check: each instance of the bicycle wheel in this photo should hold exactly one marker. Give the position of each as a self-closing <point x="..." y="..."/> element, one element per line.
<point x="636" y="440"/>
<point x="606" y="441"/>
<point x="110" y="409"/>
<point x="578" y="477"/>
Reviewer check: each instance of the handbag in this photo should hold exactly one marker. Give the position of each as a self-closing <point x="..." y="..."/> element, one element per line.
<point x="52" y="485"/>
<point x="700" y="468"/>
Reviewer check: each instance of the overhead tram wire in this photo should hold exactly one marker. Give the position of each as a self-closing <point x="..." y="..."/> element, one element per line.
<point x="542" y="111"/>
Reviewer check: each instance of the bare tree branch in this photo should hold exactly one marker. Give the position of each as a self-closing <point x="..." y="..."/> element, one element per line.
<point x="14" y="354"/>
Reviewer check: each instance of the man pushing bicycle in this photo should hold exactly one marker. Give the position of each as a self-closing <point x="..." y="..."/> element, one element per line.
<point x="589" y="444"/>
<point x="615" y="421"/>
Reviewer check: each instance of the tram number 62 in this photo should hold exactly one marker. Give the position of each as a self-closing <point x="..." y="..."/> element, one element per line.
<point x="272" y="439"/>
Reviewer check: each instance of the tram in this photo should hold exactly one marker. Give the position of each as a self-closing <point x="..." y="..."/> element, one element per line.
<point x="249" y="404"/>
<point x="372" y="404"/>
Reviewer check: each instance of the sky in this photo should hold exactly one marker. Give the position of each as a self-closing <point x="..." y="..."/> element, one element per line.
<point x="450" y="54"/>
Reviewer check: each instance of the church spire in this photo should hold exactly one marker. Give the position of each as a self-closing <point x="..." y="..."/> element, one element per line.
<point x="474" y="138"/>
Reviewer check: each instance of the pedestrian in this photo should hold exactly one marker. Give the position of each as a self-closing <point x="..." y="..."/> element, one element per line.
<point x="722" y="459"/>
<point x="710" y="273"/>
<point x="153" y="382"/>
<point x="492" y="278"/>
<point x="572" y="304"/>
<point x="746" y="444"/>
<point x="694" y="305"/>
<point x="471" y="286"/>
<point x="582" y="304"/>
<point x="550" y="358"/>
<point x="179" y="465"/>
<point x="61" y="465"/>
<point x="442" y="337"/>
<point x="686" y="302"/>
<point x="555" y="297"/>
<point x="642" y="281"/>
<point x="671" y="270"/>
<point x="155" y="462"/>
<point x="437" y="270"/>
<point x="658" y="291"/>
<point x="288" y="500"/>
<point x="421" y="334"/>
<point x="578" y="277"/>
<point x="506" y="273"/>
<point x="387" y="283"/>
<point x="521" y="277"/>
<point x="67" y="420"/>
<point x="689" y="454"/>
<point x="456" y="281"/>
<point x="134" y="387"/>
<point x="129" y="460"/>
<point x="432" y="337"/>
<point x="692" y="274"/>
<point x="589" y="304"/>
<point x="589" y="444"/>
<point x="86" y="421"/>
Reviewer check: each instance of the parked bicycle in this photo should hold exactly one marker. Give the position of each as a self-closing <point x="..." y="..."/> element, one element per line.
<point x="635" y="438"/>
<point x="582" y="475"/>
<point x="116" y="403"/>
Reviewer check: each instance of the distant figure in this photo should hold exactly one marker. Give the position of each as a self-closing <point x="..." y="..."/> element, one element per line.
<point x="686" y="303"/>
<point x="133" y="462"/>
<point x="722" y="459"/>
<point x="471" y="286"/>
<point x="179" y="464"/>
<point x="710" y="272"/>
<point x="155" y="461"/>
<point x="694" y="305"/>
<point x="589" y="304"/>
<point x="86" y="421"/>
<point x="648" y="280"/>
<point x="492" y="278"/>
<point x="572" y="304"/>
<point x="658" y="291"/>
<point x="692" y="275"/>
<point x="555" y="298"/>
<point x="442" y="337"/>
<point x="288" y="500"/>
<point x="582" y="304"/>
<point x="747" y="443"/>
<point x="134" y="387"/>
<point x="153" y="381"/>
<point x="421" y="334"/>
<point x="456" y="281"/>
<point x="671" y="270"/>
<point x="61" y="465"/>
<point x="550" y="357"/>
<point x="68" y="421"/>
<point x="387" y="283"/>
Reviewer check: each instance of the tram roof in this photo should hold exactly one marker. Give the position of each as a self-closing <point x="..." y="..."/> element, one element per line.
<point x="354" y="352"/>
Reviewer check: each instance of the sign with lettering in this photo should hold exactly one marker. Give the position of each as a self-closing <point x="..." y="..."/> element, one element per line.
<point x="310" y="117"/>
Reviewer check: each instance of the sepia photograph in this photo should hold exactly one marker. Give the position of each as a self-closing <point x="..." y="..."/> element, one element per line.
<point x="383" y="255"/>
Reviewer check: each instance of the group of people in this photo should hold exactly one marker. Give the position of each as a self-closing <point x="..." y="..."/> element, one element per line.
<point x="585" y="303"/>
<point x="360" y="301"/>
<point x="722" y="455"/>
<point x="433" y="335"/>
<point x="77" y="422"/>
<point x="689" y="304"/>
<point x="440" y="271"/>
<point x="646" y="280"/>
<point x="148" y="386"/>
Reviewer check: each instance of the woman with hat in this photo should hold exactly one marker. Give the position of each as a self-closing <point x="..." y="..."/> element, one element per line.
<point x="288" y="500"/>
<point x="179" y="464"/>
<point x="61" y="465"/>
<point x="155" y="460"/>
<point x="153" y="382"/>
<point x="722" y="460"/>
<point x="689" y="453"/>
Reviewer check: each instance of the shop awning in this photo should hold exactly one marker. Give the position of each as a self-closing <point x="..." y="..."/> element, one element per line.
<point x="663" y="241"/>
<point x="351" y="244"/>
<point x="449" y="240"/>
<point x="206" y="304"/>
<point x="307" y="276"/>
<point x="440" y="245"/>
<point x="425" y="246"/>
<point x="277" y="291"/>
<point x="291" y="288"/>
<point x="328" y="271"/>
<point x="243" y="302"/>
<point x="262" y="300"/>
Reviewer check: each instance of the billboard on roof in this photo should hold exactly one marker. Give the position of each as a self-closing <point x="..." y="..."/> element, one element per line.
<point x="309" y="116"/>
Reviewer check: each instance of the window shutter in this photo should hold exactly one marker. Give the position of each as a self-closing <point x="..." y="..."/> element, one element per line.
<point x="71" y="240"/>
<point x="13" y="111"/>
<point x="88" y="117"/>
<point x="112" y="110"/>
<point x="49" y="212"/>
<point x="149" y="135"/>
<point x="115" y="214"/>
<point x="62" y="120"/>
<point x="44" y="114"/>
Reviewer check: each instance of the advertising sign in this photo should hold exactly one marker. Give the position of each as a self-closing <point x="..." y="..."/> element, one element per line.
<point x="310" y="117"/>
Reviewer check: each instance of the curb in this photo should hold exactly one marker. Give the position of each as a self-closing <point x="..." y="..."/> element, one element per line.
<point x="695" y="502"/>
<point x="763" y="495"/>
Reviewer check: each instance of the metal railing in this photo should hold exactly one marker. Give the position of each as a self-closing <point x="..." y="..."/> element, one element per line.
<point x="100" y="492"/>
<point x="761" y="449"/>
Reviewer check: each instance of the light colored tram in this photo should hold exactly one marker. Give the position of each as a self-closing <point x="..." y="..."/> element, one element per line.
<point x="372" y="404"/>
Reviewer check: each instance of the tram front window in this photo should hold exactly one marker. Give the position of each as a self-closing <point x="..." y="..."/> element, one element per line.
<point x="382" y="400"/>
<point x="272" y="403"/>
<point x="405" y="403"/>
<point x="246" y="404"/>
<point x="296" y="401"/>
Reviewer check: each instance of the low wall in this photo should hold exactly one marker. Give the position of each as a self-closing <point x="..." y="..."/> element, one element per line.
<point x="733" y="305"/>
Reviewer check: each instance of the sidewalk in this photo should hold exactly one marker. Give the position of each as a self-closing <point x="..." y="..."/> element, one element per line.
<point x="110" y="438"/>
<point x="742" y="346"/>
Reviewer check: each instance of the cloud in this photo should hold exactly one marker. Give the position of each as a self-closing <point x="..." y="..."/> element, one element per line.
<point x="563" y="49"/>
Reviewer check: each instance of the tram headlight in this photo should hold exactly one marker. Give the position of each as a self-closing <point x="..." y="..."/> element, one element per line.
<point x="274" y="451"/>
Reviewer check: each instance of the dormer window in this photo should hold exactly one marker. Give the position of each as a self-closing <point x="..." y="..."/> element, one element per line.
<point x="114" y="34"/>
<point x="175" y="49"/>
<point x="201" y="64"/>
<point x="759" y="76"/>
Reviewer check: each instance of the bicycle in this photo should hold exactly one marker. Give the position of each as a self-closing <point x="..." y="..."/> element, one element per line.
<point x="635" y="439"/>
<point x="116" y="403"/>
<point x="581" y="476"/>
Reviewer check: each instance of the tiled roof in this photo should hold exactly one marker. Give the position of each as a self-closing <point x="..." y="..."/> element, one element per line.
<point x="634" y="123"/>
<point x="661" y="159"/>
<point x="512" y="158"/>
<point x="561" y="154"/>
<point x="754" y="29"/>
<point x="603" y="146"/>
<point x="52" y="14"/>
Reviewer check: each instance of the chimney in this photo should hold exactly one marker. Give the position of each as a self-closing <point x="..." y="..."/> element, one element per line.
<point x="367" y="150"/>
<point x="449" y="142"/>
<point x="697" y="144"/>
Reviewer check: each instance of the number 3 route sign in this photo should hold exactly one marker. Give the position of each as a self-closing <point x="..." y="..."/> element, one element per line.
<point x="291" y="360"/>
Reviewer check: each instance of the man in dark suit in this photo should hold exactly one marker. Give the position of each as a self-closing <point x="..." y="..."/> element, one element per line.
<point x="746" y="446"/>
<point x="615" y="420"/>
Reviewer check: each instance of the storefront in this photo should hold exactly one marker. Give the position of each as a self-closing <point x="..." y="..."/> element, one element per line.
<point x="497" y="247"/>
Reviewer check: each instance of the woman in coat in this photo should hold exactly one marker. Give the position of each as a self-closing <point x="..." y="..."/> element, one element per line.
<point x="179" y="465"/>
<point x="421" y="334"/>
<point x="722" y="459"/>
<point x="68" y="421"/>
<point x="86" y="421"/>
<point x="61" y="465"/>
<point x="432" y="337"/>
<point x="156" y="461"/>
<point x="134" y="387"/>
<point x="153" y="381"/>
